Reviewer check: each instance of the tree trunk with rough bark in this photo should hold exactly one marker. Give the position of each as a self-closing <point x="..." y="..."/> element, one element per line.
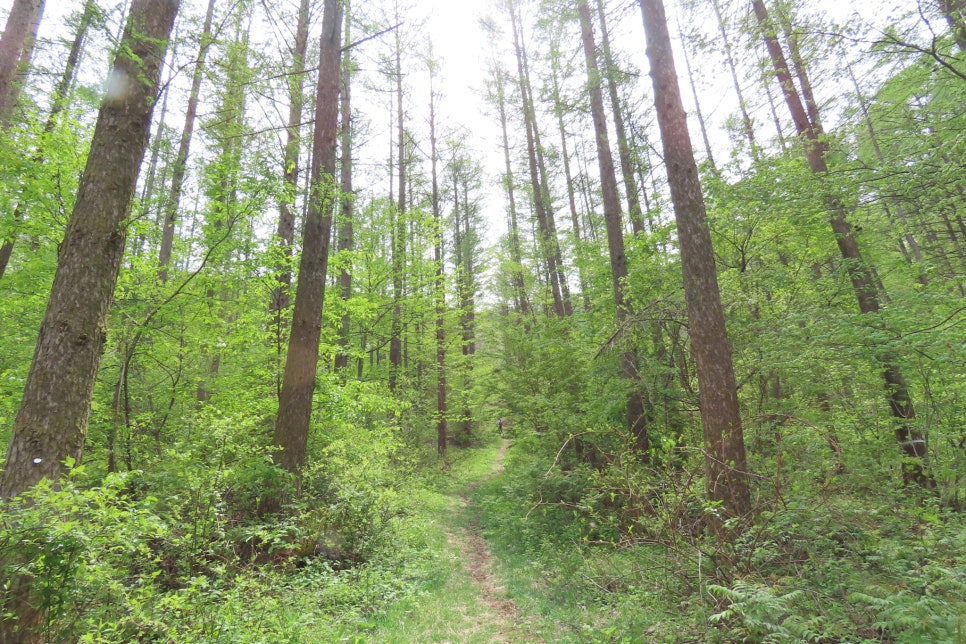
<point x="52" y="421"/>
<point x="298" y="383"/>
<point x="725" y="462"/>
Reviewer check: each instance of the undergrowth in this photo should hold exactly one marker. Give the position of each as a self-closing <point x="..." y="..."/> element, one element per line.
<point x="621" y="553"/>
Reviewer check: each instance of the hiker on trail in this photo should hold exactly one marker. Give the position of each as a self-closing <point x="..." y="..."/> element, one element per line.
<point x="501" y="425"/>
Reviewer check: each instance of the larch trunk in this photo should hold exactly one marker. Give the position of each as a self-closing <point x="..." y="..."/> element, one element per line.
<point x="725" y="461"/>
<point x="298" y="383"/>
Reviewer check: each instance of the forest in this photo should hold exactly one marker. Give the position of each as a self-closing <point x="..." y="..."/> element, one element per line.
<point x="495" y="321"/>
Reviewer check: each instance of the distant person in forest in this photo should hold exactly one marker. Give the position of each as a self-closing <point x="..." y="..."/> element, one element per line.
<point x="501" y="424"/>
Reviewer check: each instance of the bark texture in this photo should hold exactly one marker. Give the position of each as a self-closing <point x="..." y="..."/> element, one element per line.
<point x="298" y="383"/>
<point x="52" y="422"/>
<point x="725" y="463"/>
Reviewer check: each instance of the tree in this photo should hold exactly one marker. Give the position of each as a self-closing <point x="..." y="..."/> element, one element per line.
<point x="725" y="462"/>
<point x="58" y="103"/>
<point x="399" y="229"/>
<point x="636" y="419"/>
<point x="864" y="285"/>
<point x="181" y="161"/>
<point x="346" y="201"/>
<point x="51" y="425"/>
<point x="547" y="239"/>
<point x="301" y="362"/>
<point x="16" y="45"/>
<point x="442" y="406"/>
<point x="290" y="170"/>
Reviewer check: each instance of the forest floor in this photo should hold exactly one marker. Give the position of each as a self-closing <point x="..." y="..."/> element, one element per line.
<point x="501" y="613"/>
<point x="470" y="603"/>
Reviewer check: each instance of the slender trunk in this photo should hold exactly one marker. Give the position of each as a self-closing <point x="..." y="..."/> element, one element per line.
<point x="903" y="221"/>
<point x="798" y="64"/>
<point x="748" y="126"/>
<point x="774" y="115"/>
<point x="298" y="383"/>
<point x="281" y="294"/>
<point x="346" y="200"/>
<point x="697" y="104"/>
<point x="725" y="462"/>
<point x="863" y="283"/>
<point x="617" y="109"/>
<point x="16" y="45"/>
<point x="58" y="103"/>
<point x="442" y="409"/>
<point x="399" y="232"/>
<point x="636" y="419"/>
<point x="558" y="109"/>
<point x="181" y="161"/>
<point x="548" y="244"/>
<point x="468" y="317"/>
<point x="516" y="255"/>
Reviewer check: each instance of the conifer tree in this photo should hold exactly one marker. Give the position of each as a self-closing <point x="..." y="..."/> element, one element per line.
<point x="298" y="384"/>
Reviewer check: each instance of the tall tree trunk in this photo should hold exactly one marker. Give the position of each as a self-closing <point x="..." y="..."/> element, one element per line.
<point x="52" y="421"/>
<point x="298" y="383"/>
<point x="636" y="419"/>
<point x="725" y="463"/>
<point x="863" y="283"/>
<point x="51" y="425"/>
<point x="346" y="201"/>
<point x="399" y="231"/>
<point x="16" y="45"/>
<point x="617" y="109"/>
<point x="558" y="109"/>
<point x="516" y="254"/>
<point x="439" y="295"/>
<point x="697" y="103"/>
<point x="748" y="126"/>
<point x="181" y="161"/>
<point x="548" y="243"/>
<point x="468" y="310"/>
<point x="58" y="103"/>
<point x="281" y="296"/>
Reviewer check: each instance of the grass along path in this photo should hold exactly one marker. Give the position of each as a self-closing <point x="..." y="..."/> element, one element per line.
<point x="479" y="563"/>
<point x="468" y="602"/>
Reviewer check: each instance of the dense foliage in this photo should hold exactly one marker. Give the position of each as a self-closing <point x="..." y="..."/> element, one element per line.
<point x="179" y="524"/>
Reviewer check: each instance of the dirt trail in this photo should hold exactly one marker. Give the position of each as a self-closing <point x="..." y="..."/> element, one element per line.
<point x="478" y="562"/>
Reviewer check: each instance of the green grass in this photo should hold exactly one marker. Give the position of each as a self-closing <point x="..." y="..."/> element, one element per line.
<point x="450" y="609"/>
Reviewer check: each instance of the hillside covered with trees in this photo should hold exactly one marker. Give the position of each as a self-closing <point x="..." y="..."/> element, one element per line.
<point x="651" y="327"/>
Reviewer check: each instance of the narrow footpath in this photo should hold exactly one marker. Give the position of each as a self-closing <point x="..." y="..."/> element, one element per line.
<point x="468" y="602"/>
<point x="501" y="613"/>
